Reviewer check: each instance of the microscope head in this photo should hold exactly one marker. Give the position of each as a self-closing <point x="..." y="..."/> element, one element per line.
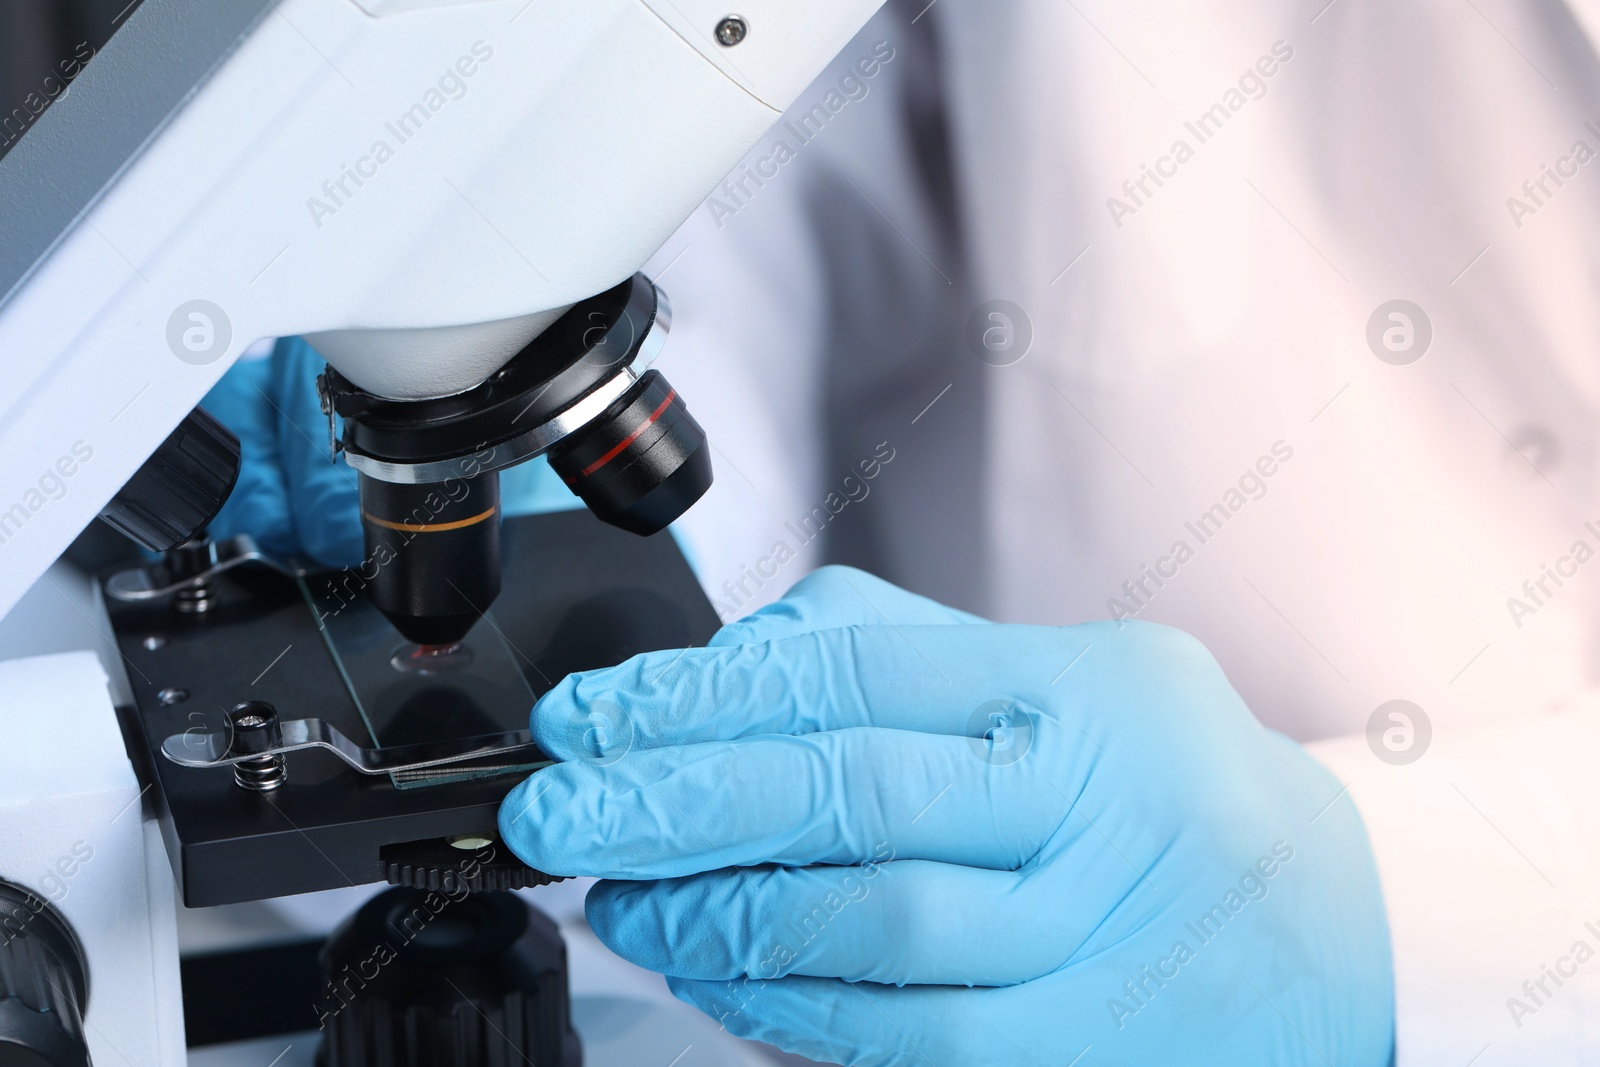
<point x="580" y="393"/>
<point x="419" y="188"/>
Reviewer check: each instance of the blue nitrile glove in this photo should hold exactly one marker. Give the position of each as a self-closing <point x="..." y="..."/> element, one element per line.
<point x="292" y="496"/>
<point x="872" y="830"/>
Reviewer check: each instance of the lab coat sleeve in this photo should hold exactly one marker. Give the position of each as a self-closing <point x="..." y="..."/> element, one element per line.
<point x="1488" y="846"/>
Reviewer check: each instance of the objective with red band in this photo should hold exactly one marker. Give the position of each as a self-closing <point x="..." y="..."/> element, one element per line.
<point x="641" y="463"/>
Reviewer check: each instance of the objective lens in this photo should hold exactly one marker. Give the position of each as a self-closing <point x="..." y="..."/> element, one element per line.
<point x="642" y="463"/>
<point x="436" y="547"/>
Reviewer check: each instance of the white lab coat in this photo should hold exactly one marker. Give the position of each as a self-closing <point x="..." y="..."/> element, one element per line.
<point x="1202" y="343"/>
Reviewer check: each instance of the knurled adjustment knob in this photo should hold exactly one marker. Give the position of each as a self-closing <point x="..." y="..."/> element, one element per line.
<point x="180" y="488"/>
<point x="446" y="865"/>
<point x="43" y="985"/>
<point x="420" y="978"/>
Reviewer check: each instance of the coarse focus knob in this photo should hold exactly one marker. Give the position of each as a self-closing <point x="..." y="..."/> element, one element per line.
<point x="43" y="985"/>
<point x="180" y="488"/>
<point x="432" y="979"/>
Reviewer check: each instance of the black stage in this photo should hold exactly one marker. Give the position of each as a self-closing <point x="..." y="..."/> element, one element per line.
<point x="577" y="595"/>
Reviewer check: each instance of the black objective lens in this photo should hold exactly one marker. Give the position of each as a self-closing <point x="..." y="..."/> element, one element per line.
<point x="436" y="548"/>
<point x="642" y="463"/>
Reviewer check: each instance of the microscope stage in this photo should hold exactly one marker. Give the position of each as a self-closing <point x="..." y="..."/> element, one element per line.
<point x="577" y="595"/>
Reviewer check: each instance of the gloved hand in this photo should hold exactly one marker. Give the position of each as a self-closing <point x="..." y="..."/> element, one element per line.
<point x="872" y="830"/>
<point x="292" y="495"/>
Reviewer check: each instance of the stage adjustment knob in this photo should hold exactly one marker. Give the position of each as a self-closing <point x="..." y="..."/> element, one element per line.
<point x="43" y="985"/>
<point x="418" y="979"/>
<point x="180" y="488"/>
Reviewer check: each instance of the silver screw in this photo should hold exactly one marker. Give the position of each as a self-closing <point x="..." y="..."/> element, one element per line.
<point x="732" y="30"/>
<point x="153" y="642"/>
<point x="169" y="697"/>
<point x="256" y="728"/>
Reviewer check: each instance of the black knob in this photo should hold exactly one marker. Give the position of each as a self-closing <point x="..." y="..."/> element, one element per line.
<point x="642" y="463"/>
<point x="43" y="985"/>
<point x="180" y="488"/>
<point x="429" y="979"/>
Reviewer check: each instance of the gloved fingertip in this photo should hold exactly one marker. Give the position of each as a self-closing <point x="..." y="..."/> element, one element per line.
<point x="556" y="721"/>
<point x="614" y="911"/>
<point x="599" y="715"/>
<point x="532" y="824"/>
<point x="606" y="900"/>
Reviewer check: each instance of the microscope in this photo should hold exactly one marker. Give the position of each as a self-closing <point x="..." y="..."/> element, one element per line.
<point x="451" y="200"/>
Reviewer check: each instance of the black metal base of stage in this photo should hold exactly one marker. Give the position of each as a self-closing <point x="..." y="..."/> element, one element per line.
<point x="577" y="595"/>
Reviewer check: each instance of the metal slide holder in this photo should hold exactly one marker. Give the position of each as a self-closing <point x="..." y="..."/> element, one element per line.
<point x="157" y="581"/>
<point x="205" y="749"/>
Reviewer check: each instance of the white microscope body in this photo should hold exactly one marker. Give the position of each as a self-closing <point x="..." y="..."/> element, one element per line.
<point x="420" y="185"/>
